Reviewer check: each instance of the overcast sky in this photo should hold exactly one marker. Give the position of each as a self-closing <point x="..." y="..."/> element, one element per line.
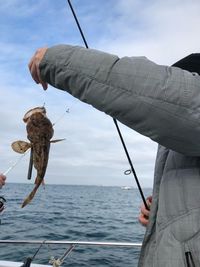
<point x="163" y="31"/>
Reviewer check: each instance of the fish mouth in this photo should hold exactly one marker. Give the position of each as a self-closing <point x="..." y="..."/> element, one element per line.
<point x="32" y="111"/>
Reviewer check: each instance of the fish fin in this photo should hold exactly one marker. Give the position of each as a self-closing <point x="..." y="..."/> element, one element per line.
<point x="57" y="140"/>
<point x="20" y="146"/>
<point x="30" y="167"/>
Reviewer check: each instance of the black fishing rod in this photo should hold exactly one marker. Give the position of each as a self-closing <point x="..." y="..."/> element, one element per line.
<point x="115" y="121"/>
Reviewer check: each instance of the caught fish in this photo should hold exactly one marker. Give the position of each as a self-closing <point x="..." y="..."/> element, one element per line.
<point x="39" y="132"/>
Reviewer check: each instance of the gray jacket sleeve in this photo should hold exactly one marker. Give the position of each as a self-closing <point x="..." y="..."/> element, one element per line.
<point x="157" y="101"/>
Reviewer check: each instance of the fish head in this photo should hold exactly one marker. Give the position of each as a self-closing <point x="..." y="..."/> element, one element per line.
<point x="31" y="112"/>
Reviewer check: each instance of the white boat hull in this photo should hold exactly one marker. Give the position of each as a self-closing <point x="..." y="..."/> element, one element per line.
<point x="18" y="264"/>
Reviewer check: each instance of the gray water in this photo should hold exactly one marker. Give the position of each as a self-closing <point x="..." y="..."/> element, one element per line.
<point x="65" y="212"/>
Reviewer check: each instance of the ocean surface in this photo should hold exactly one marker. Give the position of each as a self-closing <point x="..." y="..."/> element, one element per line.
<point x="67" y="212"/>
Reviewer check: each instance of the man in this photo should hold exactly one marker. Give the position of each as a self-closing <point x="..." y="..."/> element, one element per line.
<point x="160" y="102"/>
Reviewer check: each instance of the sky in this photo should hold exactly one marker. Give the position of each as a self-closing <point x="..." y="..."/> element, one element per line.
<point x="163" y="31"/>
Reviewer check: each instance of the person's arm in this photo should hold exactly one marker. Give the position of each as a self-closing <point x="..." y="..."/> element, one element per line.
<point x="157" y="101"/>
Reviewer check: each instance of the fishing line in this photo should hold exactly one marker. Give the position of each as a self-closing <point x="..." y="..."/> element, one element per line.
<point x="115" y="121"/>
<point x="60" y="118"/>
<point x="15" y="163"/>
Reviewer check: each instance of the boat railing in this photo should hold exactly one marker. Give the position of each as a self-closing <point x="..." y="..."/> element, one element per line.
<point x="72" y="242"/>
<point x="57" y="262"/>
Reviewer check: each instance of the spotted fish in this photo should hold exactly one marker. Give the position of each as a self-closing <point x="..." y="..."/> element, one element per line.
<point x="39" y="132"/>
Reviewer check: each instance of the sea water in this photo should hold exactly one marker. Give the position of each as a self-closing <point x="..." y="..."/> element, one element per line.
<point x="67" y="212"/>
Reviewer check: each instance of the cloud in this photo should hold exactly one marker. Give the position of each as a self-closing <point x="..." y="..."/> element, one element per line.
<point x="162" y="31"/>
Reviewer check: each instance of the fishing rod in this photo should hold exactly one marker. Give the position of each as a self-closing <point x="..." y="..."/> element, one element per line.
<point x="2" y="199"/>
<point x="115" y="121"/>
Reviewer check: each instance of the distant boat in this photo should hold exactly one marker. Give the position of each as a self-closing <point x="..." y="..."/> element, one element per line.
<point x="126" y="187"/>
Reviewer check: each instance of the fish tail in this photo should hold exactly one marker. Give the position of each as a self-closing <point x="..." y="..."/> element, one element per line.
<point x="31" y="195"/>
<point x="37" y="181"/>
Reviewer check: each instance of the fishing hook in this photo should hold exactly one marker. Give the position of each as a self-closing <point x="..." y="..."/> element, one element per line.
<point x="115" y="121"/>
